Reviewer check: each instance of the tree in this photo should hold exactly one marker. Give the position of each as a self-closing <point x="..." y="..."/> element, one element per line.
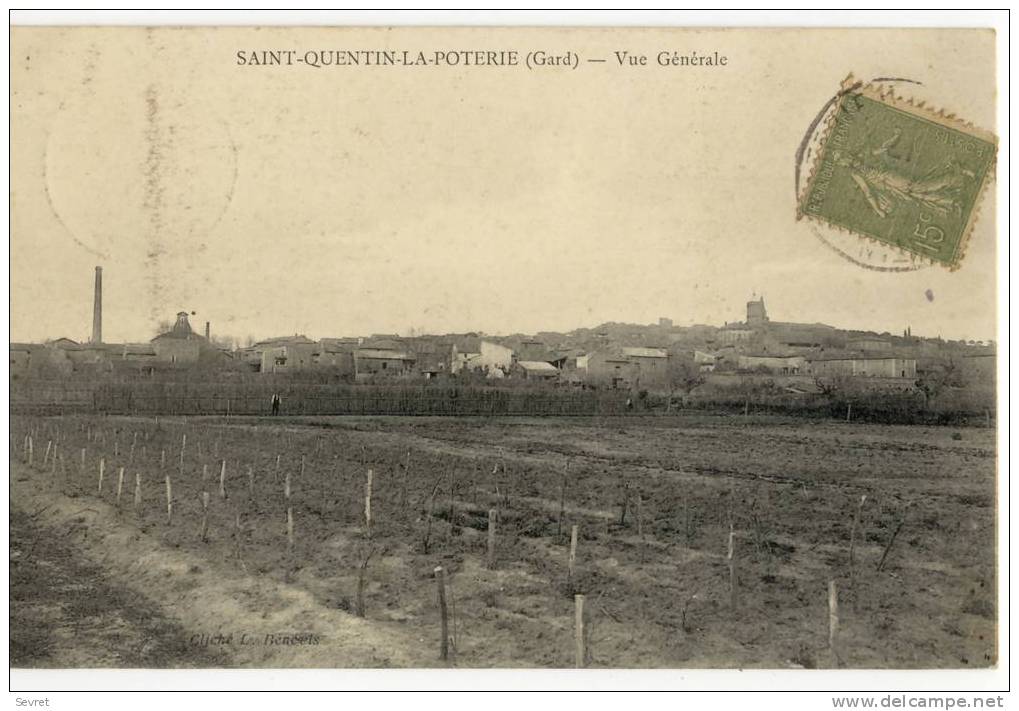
<point x="683" y="374"/>
<point x="832" y="386"/>
<point x="934" y="381"/>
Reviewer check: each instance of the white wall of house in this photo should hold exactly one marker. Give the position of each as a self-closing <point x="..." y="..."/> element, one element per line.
<point x="866" y="367"/>
<point x="792" y="364"/>
<point x="462" y="359"/>
<point x="288" y="358"/>
<point x="493" y="356"/>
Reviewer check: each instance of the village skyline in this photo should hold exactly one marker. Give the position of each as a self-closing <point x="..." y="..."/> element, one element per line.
<point x="234" y="340"/>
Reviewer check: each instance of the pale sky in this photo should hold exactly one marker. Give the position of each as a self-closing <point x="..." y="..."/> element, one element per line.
<point x="359" y="200"/>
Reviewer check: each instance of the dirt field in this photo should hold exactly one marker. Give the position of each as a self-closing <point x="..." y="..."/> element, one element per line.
<point x="66" y="614"/>
<point x="653" y="499"/>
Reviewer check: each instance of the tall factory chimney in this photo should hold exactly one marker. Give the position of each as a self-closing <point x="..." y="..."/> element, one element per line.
<point x="206" y="330"/>
<point x="97" y="308"/>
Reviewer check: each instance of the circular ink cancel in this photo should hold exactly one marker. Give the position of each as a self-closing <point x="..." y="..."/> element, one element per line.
<point x="876" y="257"/>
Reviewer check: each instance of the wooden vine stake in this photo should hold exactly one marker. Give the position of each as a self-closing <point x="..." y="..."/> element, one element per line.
<point x="205" y="517"/>
<point x="222" y="480"/>
<point x="120" y="483"/>
<point x="852" y="543"/>
<point x="368" y="504"/>
<point x="640" y="516"/>
<point x="251" y="482"/>
<point x="239" y="541"/>
<point x="406" y="481"/>
<point x="562" y="503"/>
<point x="572" y="568"/>
<point x="362" y="573"/>
<point x="833" y="621"/>
<point x="430" y="515"/>
<point x="137" y="491"/>
<point x="290" y="529"/>
<point x="440" y="581"/>
<point x="452" y="500"/>
<point x="286" y="493"/>
<point x="81" y="467"/>
<point x="578" y="631"/>
<point x="169" y="500"/>
<point x="491" y="539"/>
<point x="102" y="470"/>
<point x="888" y="547"/>
<point x="731" y="558"/>
<point x="46" y="454"/>
<point x="183" y="446"/>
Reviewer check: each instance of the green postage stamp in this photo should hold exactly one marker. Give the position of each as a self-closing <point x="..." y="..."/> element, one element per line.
<point x="899" y="173"/>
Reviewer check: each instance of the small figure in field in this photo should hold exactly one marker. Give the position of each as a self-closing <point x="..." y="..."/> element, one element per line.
<point x="276" y="401"/>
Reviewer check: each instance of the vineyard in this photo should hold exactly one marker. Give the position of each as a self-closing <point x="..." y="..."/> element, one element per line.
<point x="251" y="396"/>
<point x="686" y="541"/>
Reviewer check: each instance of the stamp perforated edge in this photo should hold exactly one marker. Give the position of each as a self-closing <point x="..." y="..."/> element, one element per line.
<point x="886" y="95"/>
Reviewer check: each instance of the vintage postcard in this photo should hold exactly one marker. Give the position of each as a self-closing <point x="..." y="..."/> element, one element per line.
<point x="502" y="347"/>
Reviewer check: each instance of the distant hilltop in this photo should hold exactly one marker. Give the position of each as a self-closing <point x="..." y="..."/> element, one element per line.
<point x="614" y="355"/>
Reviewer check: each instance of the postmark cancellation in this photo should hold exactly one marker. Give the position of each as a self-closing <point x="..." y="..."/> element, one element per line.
<point x="900" y="173"/>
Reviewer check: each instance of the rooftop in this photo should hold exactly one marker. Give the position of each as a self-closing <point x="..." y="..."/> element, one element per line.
<point x="382" y="344"/>
<point x="284" y="341"/>
<point x="537" y="366"/>
<point x="181" y="329"/>
<point x="856" y="356"/>
<point x="373" y="352"/>
<point x="645" y="352"/>
<point x="467" y="344"/>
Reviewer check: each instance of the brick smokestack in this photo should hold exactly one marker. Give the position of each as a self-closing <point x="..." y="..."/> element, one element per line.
<point x="97" y="308"/>
<point x="206" y="330"/>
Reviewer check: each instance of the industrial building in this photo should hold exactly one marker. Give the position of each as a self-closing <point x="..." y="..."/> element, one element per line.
<point x="863" y="366"/>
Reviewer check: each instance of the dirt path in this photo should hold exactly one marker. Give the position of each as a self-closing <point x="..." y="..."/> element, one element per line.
<point x="89" y="590"/>
<point x="65" y="613"/>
